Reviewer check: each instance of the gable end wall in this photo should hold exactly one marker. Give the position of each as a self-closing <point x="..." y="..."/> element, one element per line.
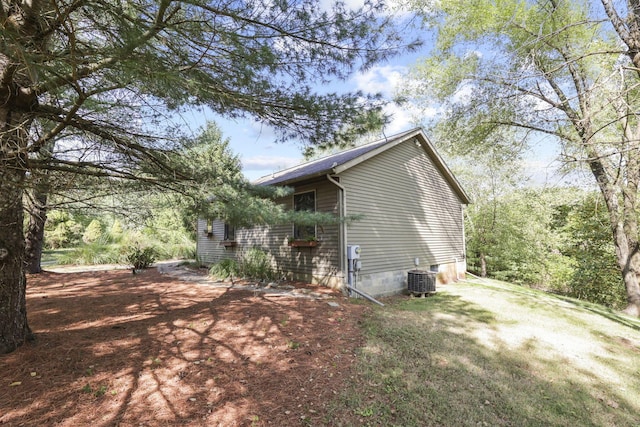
<point x="410" y="211"/>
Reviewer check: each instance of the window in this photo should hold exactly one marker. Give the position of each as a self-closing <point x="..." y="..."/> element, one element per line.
<point x="304" y="202"/>
<point x="229" y="232"/>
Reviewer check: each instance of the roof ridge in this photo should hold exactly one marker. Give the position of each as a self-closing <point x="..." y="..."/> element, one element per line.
<point x="385" y="139"/>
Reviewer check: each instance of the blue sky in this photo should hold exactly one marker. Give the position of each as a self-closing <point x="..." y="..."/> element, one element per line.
<point x="254" y="142"/>
<point x="260" y="155"/>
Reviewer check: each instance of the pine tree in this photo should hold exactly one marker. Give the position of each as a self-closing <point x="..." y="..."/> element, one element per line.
<point x="108" y="75"/>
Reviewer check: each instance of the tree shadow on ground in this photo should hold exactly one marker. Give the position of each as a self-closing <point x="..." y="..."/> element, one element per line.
<point x="441" y="361"/>
<point x="119" y="349"/>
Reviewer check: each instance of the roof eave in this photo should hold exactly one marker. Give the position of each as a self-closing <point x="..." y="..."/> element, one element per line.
<point x="444" y="169"/>
<point x="299" y="178"/>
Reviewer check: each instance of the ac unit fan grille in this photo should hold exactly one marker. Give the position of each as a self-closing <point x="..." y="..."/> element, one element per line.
<point x="421" y="281"/>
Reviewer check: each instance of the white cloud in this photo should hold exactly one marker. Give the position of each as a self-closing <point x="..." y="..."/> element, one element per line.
<point x="269" y="163"/>
<point x="255" y="167"/>
<point x="388" y="81"/>
<point x="351" y="4"/>
<point x="258" y="131"/>
<point x="357" y="4"/>
<point x="385" y="79"/>
<point x="403" y="117"/>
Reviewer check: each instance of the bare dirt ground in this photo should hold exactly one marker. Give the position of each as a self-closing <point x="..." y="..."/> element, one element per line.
<point x="161" y="349"/>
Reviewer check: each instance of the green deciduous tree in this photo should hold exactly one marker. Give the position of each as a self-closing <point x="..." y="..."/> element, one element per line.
<point x="107" y="75"/>
<point x="489" y="176"/>
<point x="587" y="242"/>
<point x="509" y="236"/>
<point x="568" y="70"/>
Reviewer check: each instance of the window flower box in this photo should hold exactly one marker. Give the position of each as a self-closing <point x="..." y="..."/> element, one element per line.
<point x="303" y="243"/>
<point x="228" y="243"/>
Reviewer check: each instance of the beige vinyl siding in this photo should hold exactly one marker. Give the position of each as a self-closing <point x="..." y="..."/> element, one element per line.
<point x="410" y="211"/>
<point x="319" y="264"/>
<point x="208" y="248"/>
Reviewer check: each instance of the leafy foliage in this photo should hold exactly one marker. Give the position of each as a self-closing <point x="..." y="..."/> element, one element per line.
<point x="141" y="258"/>
<point x="512" y="233"/>
<point x="253" y="263"/>
<point x="556" y="239"/>
<point x="226" y="268"/>
<point x="567" y="71"/>
<point x="587" y="242"/>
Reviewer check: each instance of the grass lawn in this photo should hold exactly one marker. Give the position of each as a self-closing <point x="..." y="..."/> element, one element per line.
<point x="490" y="354"/>
<point x="51" y="256"/>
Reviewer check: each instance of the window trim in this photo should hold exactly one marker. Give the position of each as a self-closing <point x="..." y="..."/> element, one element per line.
<point x="296" y="234"/>
<point x="208" y="227"/>
<point x="229" y="232"/>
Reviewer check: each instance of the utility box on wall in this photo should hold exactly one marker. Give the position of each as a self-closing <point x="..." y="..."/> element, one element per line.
<point x="353" y="252"/>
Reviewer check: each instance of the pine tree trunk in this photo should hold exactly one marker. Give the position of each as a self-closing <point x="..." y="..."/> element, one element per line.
<point x="35" y="232"/>
<point x="14" y="329"/>
<point x="18" y="101"/>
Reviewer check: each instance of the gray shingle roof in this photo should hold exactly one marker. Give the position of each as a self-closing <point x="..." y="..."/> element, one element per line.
<point x="325" y="165"/>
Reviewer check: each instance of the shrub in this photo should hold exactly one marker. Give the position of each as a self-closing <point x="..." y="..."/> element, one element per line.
<point x="141" y="258"/>
<point x="116" y="228"/>
<point x="225" y="268"/>
<point x="61" y="230"/>
<point x="253" y="264"/>
<point x="596" y="276"/>
<point x="256" y="264"/>
<point x="598" y="280"/>
<point x="93" y="232"/>
<point x="58" y="237"/>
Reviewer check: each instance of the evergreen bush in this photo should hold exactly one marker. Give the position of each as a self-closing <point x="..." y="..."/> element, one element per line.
<point x="93" y="232"/>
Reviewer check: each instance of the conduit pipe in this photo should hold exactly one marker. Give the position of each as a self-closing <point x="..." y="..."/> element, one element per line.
<point x="367" y="296"/>
<point x="477" y="277"/>
<point x="343" y="243"/>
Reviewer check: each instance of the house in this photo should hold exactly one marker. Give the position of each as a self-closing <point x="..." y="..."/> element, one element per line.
<point x="411" y="209"/>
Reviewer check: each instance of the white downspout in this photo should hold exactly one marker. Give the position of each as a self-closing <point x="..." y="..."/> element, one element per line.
<point x="343" y="225"/>
<point x="343" y="242"/>
<point x="464" y="243"/>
